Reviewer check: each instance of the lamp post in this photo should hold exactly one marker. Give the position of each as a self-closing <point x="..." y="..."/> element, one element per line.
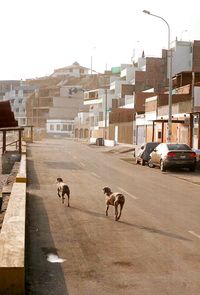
<point x="169" y="62"/>
<point x="106" y="105"/>
<point x="106" y="85"/>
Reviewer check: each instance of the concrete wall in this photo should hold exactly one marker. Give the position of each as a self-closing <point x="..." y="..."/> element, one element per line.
<point x="12" y="238"/>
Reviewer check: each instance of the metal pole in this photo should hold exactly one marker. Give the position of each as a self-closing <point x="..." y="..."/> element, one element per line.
<point x="192" y="92"/>
<point x="169" y="62"/>
<point x="106" y="102"/>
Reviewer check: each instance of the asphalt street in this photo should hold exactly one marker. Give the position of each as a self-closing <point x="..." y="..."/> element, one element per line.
<point x="152" y="250"/>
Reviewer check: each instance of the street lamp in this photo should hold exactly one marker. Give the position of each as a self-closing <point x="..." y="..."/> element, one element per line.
<point x="169" y="134"/>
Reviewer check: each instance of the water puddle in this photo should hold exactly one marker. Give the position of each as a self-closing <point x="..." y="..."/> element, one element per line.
<point x="53" y="258"/>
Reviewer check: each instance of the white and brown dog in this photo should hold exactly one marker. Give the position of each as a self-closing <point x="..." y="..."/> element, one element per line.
<point x="63" y="189"/>
<point x="114" y="199"/>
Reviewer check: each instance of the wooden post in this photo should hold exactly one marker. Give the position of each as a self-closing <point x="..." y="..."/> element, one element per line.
<point x="191" y="130"/>
<point x="4" y="142"/>
<point x="31" y="133"/>
<point x="153" y="132"/>
<point x="199" y="131"/>
<point x="162" y="131"/>
<point x="20" y="141"/>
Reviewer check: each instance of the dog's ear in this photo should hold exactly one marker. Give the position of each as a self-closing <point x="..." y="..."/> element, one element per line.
<point x="106" y="190"/>
<point x="59" y="179"/>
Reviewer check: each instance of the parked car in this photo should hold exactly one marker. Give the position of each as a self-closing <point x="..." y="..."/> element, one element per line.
<point x="143" y="154"/>
<point x="167" y="155"/>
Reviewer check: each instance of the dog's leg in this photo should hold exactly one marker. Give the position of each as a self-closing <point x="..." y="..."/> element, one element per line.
<point x="120" y="211"/>
<point x="63" y="198"/>
<point x="107" y="207"/>
<point x="58" y="192"/>
<point x="68" y="195"/>
<point x="116" y="210"/>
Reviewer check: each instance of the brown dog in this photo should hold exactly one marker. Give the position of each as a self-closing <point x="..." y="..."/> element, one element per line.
<point x="114" y="199"/>
<point x="63" y="190"/>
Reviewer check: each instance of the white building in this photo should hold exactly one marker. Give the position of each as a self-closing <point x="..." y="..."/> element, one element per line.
<point x="99" y="102"/>
<point x="75" y="70"/>
<point x="60" y="127"/>
<point x="181" y="56"/>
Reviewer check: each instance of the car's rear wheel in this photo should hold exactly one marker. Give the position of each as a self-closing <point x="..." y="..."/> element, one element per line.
<point x="192" y="168"/>
<point x="162" y="166"/>
<point x="150" y="164"/>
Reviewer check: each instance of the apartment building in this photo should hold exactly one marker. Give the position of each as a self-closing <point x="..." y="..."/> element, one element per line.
<point x="18" y="96"/>
<point x="185" y="112"/>
<point x="100" y="103"/>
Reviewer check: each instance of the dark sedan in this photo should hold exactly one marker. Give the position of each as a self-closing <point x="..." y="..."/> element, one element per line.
<point x="167" y="155"/>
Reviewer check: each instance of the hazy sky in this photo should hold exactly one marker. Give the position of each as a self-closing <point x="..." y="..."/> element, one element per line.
<point x="38" y="36"/>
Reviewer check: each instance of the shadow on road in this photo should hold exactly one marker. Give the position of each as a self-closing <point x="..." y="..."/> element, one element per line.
<point x="96" y="214"/>
<point x="156" y="231"/>
<point x="42" y="276"/>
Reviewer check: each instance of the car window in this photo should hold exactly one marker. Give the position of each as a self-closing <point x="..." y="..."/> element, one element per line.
<point x="178" y="147"/>
<point x="159" y="147"/>
<point x="151" y="146"/>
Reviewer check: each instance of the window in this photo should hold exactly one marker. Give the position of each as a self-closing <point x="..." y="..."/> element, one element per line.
<point x="51" y="127"/>
<point x="64" y="127"/>
<point x="177" y="146"/>
<point x="58" y="127"/>
<point x="100" y="116"/>
<point x="23" y="121"/>
<point x="159" y="134"/>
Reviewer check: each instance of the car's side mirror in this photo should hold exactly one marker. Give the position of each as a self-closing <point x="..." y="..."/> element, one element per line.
<point x="154" y="150"/>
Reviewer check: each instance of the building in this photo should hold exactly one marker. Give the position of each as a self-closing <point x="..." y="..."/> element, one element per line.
<point x="75" y="70"/>
<point x="100" y="103"/>
<point x="60" y="127"/>
<point x="82" y="123"/>
<point x="18" y="96"/>
<point x="185" y="56"/>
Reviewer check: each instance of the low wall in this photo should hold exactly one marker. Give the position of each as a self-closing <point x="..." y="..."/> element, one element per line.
<point x="21" y="175"/>
<point x="12" y="243"/>
<point x="12" y="238"/>
<point x="107" y="142"/>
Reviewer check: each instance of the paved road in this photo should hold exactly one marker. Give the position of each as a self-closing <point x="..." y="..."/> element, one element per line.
<point x="153" y="250"/>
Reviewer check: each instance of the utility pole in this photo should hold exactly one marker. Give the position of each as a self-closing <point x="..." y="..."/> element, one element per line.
<point x="106" y="105"/>
<point x="169" y="62"/>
